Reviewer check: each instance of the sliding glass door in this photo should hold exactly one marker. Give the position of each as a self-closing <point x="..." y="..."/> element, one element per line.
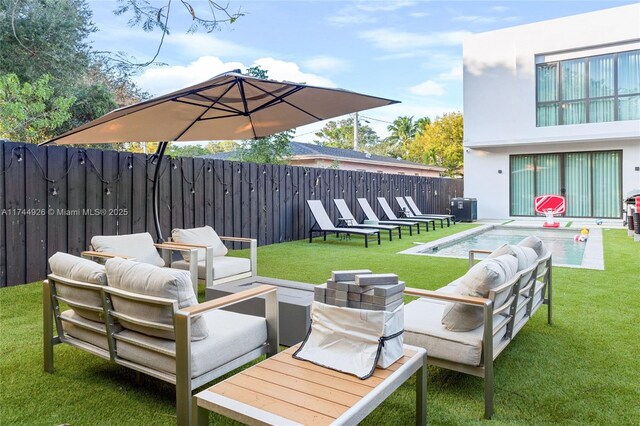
<point x="590" y="182"/>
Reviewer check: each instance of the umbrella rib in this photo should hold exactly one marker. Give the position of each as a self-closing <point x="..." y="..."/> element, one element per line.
<point x="281" y="98"/>
<point x="217" y="101"/>
<point x="203" y="113"/>
<point x="231" y="110"/>
<point x="240" y="84"/>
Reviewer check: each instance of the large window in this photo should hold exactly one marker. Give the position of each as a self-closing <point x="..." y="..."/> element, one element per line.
<point x="589" y="90"/>
<point x="590" y="182"/>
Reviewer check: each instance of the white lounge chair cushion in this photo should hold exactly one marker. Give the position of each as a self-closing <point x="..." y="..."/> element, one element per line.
<point x="526" y="256"/>
<point x="477" y="282"/>
<point x="223" y="266"/>
<point x="232" y="335"/>
<point x="535" y="243"/>
<point x="422" y="328"/>
<point x="201" y="236"/>
<point x="83" y="270"/>
<point x="138" y="246"/>
<point x="150" y="280"/>
<point x="90" y="334"/>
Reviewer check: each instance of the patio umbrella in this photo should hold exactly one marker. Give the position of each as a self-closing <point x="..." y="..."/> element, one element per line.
<point x="228" y="106"/>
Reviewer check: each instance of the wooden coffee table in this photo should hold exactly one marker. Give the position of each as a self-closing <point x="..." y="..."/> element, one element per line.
<point x="282" y="390"/>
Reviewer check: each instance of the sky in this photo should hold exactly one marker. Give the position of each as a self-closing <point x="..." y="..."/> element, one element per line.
<point x="410" y="51"/>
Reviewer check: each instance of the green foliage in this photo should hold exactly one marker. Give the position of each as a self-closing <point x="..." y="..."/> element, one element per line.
<point x="339" y="134"/>
<point x="30" y="112"/>
<point x="40" y="37"/>
<point x="440" y="144"/>
<point x="273" y="149"/>
<point x="92" y="101"/>
<point x="214" y="147"/>
<point x="184" y="150"/>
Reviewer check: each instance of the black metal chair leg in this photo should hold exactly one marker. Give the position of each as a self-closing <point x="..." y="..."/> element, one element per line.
<point x="378" y="237"/>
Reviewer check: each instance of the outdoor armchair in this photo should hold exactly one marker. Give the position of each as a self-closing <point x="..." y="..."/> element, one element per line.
<point x="213" y="264"/>
<point x="389" y="214"/>
<point x="324" y="226"/>
<point x="348" y="220"/>
<point x="371" y="215"/>
<point x="141" y="248"/>
<point x="147" y="318"/>
<point x="414" y="208"/>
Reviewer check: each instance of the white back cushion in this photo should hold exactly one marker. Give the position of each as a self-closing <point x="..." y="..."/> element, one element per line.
<point x="78" y="269"/>
<point x="526" y="256"/>
<point x="139" y="246"/>
<point x="535" y="243"/>
<point x="478" y="281"/>
<point x="150" y="280"/>
<point x="205" y="235"/>
<point x="320" y="214"/>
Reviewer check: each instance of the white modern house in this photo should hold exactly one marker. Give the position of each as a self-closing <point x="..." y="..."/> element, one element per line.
<point x="553" y="107"/>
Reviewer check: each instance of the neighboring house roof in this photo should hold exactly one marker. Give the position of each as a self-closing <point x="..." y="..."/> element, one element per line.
<point x="301" y="150"/>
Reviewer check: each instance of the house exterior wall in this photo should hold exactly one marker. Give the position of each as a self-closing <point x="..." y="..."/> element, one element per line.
<point x="354" y="165"/>
<point x="500" y="100"/>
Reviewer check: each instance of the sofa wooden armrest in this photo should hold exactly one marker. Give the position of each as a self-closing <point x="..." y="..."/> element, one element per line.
<point x="90" y="254"/>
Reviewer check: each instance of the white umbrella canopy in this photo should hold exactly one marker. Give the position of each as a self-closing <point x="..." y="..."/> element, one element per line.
<point x="229" y="106"/>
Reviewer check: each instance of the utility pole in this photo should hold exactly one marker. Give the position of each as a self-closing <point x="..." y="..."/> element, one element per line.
<point x="355" y="132"/>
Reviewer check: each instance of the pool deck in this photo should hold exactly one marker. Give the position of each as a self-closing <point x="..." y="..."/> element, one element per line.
<point x="593" y="257"/>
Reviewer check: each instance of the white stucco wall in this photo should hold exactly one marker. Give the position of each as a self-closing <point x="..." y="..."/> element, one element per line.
<point x="500" y="100"/>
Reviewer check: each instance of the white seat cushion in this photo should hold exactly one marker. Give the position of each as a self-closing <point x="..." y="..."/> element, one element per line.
<point x="78" y="269"/>
<point x="138" y="246"/>
<point x="88" y="335"/>
<point x="231" y="335"/>
<point x="149" y="280"/>
<point x="422" y="328"/>
<point x="202" y="236"/>
<point x="223" y="266"/>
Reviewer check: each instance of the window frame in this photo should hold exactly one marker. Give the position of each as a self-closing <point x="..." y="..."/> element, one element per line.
<point x="587" y="99"/>
<point x="563" y="178"/>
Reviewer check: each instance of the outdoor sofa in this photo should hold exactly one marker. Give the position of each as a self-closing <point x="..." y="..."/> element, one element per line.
<point x="147" y="318"/>
<point x="466" y="324"/>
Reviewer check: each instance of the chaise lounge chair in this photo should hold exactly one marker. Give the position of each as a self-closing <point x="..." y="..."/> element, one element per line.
<point x="324" y="226"/>
<point x="404" y="207"/>
<point x="350" y="221"/>
<point x="371" y="215"/>
<point x="414" y="208"/>
<point x="388" y="212"/>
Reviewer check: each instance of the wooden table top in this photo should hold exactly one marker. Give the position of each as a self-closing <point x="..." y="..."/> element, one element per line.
<point x="300" y="391"/>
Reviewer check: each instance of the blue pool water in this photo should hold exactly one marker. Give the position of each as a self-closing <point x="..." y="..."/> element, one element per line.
<point x="566" y="251"/>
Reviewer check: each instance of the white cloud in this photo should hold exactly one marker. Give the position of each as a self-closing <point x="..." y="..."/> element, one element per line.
<point x="162" y="80"/>
<point x="327" y="64"/>
<point x="395" y="41"/>
<point x="499" y="9"/>
<point x="379" y="6"/>
<point x="454" y="73"/>
<point x="428" y="88"/>
<point x="418" y="14"/>
<point x="475" y="19"/>
<point x="201" y="44"/>
<point x="290" y="71"/>
<point x="349" y="17"/>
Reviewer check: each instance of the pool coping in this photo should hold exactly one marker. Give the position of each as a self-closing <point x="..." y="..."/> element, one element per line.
<point x="593" y="257"/>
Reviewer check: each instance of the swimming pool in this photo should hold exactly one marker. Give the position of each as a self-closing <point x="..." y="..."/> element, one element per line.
<point x="566" y="251"/>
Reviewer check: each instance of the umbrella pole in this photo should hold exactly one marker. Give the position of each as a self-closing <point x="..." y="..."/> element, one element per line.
<point x="156" y="188"/>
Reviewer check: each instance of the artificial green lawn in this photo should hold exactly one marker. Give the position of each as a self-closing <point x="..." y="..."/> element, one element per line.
<point x="584" y="369"/>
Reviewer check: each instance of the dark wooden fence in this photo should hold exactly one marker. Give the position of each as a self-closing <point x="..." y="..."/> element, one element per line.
<point x="56" y="198"/>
